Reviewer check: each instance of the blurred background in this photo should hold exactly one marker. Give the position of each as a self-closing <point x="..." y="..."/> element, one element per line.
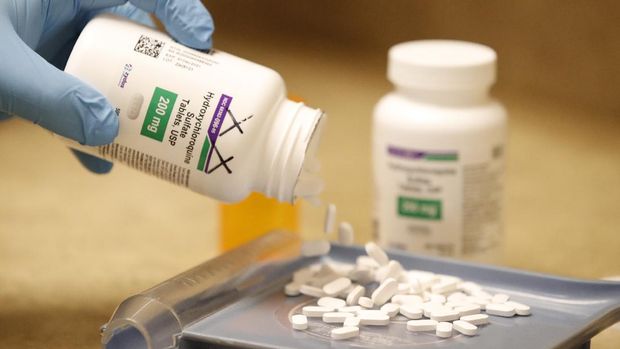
<point x="73" y="245"/>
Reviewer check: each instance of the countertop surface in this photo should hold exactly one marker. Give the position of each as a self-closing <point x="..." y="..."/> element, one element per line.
<point x="73" y="244"/>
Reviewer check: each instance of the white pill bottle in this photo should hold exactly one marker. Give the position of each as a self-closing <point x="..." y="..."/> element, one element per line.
<point x="215" y="123"/>
<point x="438" y="151"/>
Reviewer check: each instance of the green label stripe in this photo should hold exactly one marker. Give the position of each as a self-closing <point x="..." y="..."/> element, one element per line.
<point x="156" y="119"/>
<point x="442" y="157"/>
<point x="206" y="146"/>
<point x="419" y="208"/>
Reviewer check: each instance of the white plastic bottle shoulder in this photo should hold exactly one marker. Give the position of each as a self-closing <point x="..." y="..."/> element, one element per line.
<point x="438" y="151"/>
<point x="215" y="123"/>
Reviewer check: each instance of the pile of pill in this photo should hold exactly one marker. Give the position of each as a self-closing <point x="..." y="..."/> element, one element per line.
<point x="430" y="302"/>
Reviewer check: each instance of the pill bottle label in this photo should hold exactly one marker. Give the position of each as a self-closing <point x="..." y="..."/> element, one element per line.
<point x="439" y="201"/>
<point x="182" y="115"/>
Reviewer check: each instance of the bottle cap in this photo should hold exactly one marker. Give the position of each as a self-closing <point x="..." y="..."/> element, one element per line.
<point x="441" y="65"/>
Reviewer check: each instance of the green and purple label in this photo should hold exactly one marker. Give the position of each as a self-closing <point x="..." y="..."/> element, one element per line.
<point x="416" y="154"/>
<point x="213" y="132"/>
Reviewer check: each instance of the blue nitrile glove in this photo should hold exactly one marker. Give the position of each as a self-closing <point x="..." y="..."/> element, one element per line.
<point x="36" y="37"/>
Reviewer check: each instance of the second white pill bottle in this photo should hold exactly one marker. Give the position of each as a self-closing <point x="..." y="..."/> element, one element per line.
<point x="209" y="121"/>
<point x="438" y="151"/>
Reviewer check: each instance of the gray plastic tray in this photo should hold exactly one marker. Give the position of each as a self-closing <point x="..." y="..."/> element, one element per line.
<point x="566" y="313"/>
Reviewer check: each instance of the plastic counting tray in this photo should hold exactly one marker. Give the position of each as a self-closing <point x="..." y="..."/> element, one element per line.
<point x="236" y="301"/>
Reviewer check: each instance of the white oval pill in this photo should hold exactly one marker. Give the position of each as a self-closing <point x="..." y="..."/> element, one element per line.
<point x="351" y="321"/>
<point x="350" y="309"/>
<point x="315" y="311"/>
<point x="443" y="315"/>
<point x="407" y="299"/>
<point x="468" y="310"/>
<point x="385" y="291"/>
<point x="437" y="298"/>
<point x="334" y="287"/>
<point x="477" y="319"/>
<point x="411" y="311"/>
<point x="445" y="286"/>
<point x="292" y="289"/>
<point x="311" y="291"/>
<point x="374" y="319"/>
<point x="314" y="248"/>
<point x="500" y="309"/>
<point x="345" y="234"/>
<point x="421" y="325"/>
<point x="366" y="302"/>
<point x="336" y="317"/>
<point x="345" y="332"/>
<point x="370" y="312"/>
<point x="299" y="322"/>
<point x="377" y="253"/>
<point x="520" y="309"/>
<point x="500" y="298"/>
<point x="330" y="218"/>
<point x="331" y="302"/>
<point x="355" y="294"/>
<point x="366" y="261"/>
<point x="390" y="309"/>
<point x="443" y="330"/>
<point x="465" y="327"/>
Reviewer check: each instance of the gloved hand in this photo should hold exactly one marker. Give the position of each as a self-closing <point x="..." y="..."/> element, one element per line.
<point x="36" y="38"/>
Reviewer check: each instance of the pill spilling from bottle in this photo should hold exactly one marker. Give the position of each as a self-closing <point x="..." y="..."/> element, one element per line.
<point x="376" y="290"/>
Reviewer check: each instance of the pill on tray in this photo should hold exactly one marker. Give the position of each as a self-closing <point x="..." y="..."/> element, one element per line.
<point x="314" y="248"/>
<point x="331" y="302"/>
<point x="499" y="309"/>
<point x="330" y="218"/>
<point x="334" y="287"/>
<point x="292" y="289"/>
<point x="520" y="309"/>
<point x="445" y="315"/>
<point x="421" y="325"/>
<point x="366" y="302"/>
<point x="374" y="319"/>
<point x="377" y="253"/>
<point x="370" y="312"/>
<point x="345" y="332"/>
<point x="390" y="309"/>
<point x="345" y="234"/>
<point x="355" y="294"/>
<point x="468" y="310"/>
<point x="500" y="298"/>
<point x="477" y="319"/>
<point x="299" y="322"/>
<point x="407" y="299"/>
<point x="311" y="291"/>
<point x="411" y="311"/>
<point x="385" y="291"/>
<point x="350" y="309"/>
<point x="443" y="330"/>
<point x="353" y="321"/>
<point x="366" y="261"/>
<point x="465" y="327"/>
<point x="336" y="317"/>
<point x="315" y="311"/>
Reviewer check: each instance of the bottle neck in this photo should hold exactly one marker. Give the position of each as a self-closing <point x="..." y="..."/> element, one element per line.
<point x="446" y="97"/>
<point x="290" y="134"/>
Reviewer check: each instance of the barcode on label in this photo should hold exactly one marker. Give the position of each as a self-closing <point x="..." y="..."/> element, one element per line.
<point x="149" y="46"/>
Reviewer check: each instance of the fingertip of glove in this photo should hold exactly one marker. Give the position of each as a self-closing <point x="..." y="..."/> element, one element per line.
<point x="192" y="24"/>
<point x="99" y="119"/>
